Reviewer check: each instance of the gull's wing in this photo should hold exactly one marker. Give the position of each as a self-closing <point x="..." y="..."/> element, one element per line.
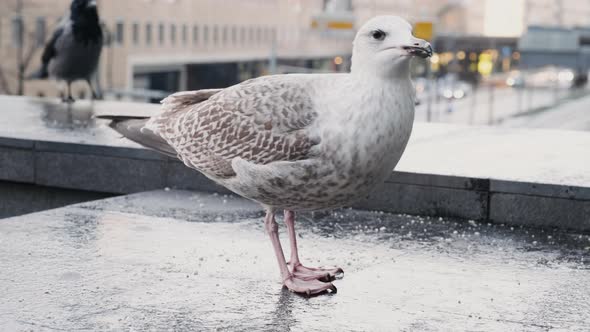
<point x="261" y="121"/>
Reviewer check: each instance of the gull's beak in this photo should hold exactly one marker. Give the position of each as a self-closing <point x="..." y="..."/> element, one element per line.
<point x="419" y="48"/>
<point x="91" y="4"/>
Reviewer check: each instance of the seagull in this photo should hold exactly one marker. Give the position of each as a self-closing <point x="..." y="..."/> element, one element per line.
<point x="74" y="49"/>
<point x="297" y="142"/>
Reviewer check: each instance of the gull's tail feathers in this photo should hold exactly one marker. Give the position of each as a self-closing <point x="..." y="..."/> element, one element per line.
<point x="145" y="130"/>
<point x="134" y="129"/>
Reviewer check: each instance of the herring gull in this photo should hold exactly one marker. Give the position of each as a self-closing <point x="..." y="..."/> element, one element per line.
<point x="297" y="142"/>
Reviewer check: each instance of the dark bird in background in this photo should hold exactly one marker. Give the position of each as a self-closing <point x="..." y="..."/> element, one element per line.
<point x="74" y="50"/>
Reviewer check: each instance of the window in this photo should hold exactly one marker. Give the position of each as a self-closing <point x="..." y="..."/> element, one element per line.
<point x="258" y="35"/>
<point x="172" y="33"/>
<point x="234" y="35"/>
<point x="224" y="35"/>
<point x="251" y="34"/>
<point x="184" y="34"/>
<point x="40" y="31"/>
<point x="206" y="34"/>
<point x="161" y="33"/>
<point x="135" y="33"/>
<point x="17" y="31"/>
<point x="242" y="35"/>
<point x="332" y="4"/>
<point x="120" y="33"/>
<point x="148" y="34"/>
<point x="195" y="34"/>
<point x="215" y="34"/>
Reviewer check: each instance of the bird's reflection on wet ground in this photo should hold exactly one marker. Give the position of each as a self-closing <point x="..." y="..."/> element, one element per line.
<point x="67" y="115"/>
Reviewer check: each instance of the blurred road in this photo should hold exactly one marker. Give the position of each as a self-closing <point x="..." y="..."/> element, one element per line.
<point x="487" y="106"/>
<point x="574" y="115"/>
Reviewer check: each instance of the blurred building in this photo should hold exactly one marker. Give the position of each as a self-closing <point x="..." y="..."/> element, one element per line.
<point x="557" y="46"/>
<point x="159" y="46"/>
<point x="557" y="13"/>
<point x="557" y="33"/>
<point x="170" y="45"/>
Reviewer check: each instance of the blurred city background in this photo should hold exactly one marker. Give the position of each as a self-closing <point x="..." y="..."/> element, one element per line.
<point x="518" y="63"/>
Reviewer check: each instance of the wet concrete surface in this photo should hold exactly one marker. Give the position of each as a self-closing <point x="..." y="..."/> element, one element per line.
<point x="51" y="120"/>
<point x="182" y="261"/>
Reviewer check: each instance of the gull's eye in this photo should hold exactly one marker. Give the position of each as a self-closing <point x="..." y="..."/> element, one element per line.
<point x="378" y="34"/>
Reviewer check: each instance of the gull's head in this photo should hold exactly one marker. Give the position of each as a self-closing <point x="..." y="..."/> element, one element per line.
<point x="384" y="46"/>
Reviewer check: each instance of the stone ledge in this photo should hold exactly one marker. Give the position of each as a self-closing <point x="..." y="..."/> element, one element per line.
<point x="17" y="165"/>
<point x="540" y="189"/>
<point x="540" y="211"/>
<point x="436" y="180"/>
<point x="428" y="200"/>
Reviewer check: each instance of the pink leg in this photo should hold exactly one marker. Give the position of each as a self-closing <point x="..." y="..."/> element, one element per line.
<point x="309" y="287"/>
<point x="297" y="269"/>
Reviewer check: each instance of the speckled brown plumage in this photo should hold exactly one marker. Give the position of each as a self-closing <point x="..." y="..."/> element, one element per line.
<point x="260" y="121"/>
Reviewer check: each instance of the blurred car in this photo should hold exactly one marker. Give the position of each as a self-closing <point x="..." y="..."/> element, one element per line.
<point x="545" y="77"/>
<point x="515" y="79"/>
<point x="450" y="87"/>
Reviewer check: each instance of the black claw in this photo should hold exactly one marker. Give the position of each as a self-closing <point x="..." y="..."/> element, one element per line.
<point x="327" y="278"/>
<point x="333" y="289"/>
